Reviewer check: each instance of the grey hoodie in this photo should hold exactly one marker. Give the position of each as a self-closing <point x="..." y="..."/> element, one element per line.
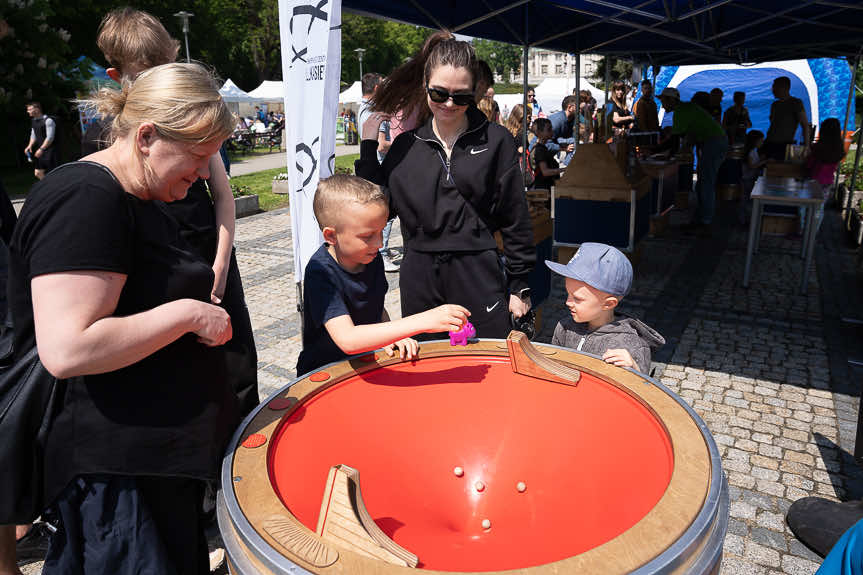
<point x="627" y="333"/>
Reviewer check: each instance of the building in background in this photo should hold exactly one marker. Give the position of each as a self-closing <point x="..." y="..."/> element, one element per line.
<point x="544" y="64"/>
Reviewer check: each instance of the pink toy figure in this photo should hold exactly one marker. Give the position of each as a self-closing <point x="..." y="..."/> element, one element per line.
<point x="461" y="336"/>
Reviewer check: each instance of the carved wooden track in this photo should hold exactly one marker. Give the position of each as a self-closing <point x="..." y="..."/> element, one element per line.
<point x="526" y="360"/>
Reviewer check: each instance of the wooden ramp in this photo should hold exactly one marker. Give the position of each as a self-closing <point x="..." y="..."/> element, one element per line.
<point x="345" y="521"/>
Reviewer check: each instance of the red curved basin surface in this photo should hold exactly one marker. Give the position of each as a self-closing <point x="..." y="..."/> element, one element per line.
<point x="593" y="460"/>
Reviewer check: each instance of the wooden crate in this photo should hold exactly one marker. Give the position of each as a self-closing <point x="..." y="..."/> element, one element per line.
<point x="782" y="170"/>
<point x="779" y="224"/>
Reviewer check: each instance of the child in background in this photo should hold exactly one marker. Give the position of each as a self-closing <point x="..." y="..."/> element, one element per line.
<point x="345" y="285"/>
<point x="597" y="278"/>
<point x="824" y="157"/>
<point x="542" y="161"/>
<point x="826" y="153"/>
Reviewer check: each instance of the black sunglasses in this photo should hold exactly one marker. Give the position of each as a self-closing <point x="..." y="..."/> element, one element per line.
<point x="441" y="96"/>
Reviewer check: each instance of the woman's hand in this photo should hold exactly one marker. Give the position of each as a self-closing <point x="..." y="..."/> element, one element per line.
<point x="408" y="348"/>
<point x="447" y="317"/>
<point x="620" y="358"/>
<point x="517" y="306"/>
<point x="372" y="125"/>
<point x="213" y="325"/>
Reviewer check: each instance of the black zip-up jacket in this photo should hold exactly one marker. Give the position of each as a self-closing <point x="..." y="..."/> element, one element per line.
<point x="457" y="206"/>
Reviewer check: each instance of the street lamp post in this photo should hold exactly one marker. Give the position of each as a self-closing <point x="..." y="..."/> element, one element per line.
<point x="360" y="52"/>
<point x="184" y="17"/>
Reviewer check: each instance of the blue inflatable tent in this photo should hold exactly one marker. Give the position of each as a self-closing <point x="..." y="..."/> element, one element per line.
<point x="821" y="83"/>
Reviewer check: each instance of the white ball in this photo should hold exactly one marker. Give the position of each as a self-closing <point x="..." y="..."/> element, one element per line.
<point x="479" y="485"/>
<point x="486" y="524"/>
<point x="458" y="471"/>
<point x="521" y="486"/>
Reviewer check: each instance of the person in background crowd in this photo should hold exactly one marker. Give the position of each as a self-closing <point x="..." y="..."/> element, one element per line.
<point x="646" y="114"/>
<point x="486" y="106"/>
<point x="41" y="148"/>
<point x="484" y="80"/>
<point x="535" y="108"/>
<point x="586" y="111"/>
<point x="736" y="119"/>
<point x="489" y="94"/>
<point x="371" y="82"/>
<point x="715" y="108"/>
<point x="515" y="127"/>
<point x="702" y="99"/>
<point x="693" y="122"/>
<point x="545" y="167"/>
<point x="453" y="181"/>
<point x="563" y="123"/>
<point x="618" y="113"/>
<point x="786" y="113"/>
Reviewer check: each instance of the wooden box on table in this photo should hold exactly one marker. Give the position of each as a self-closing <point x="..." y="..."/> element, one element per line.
<point x="595" y="201"/>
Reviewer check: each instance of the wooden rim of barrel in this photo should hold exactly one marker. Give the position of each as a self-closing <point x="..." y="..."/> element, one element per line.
<point x="251" y="502"/>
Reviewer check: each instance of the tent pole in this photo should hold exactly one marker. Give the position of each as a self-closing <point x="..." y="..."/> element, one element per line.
<point x="855" y="64"/>
<point x="856" y="163"/>
<point x="525" y="50"/>
<point x="578" y="95"/>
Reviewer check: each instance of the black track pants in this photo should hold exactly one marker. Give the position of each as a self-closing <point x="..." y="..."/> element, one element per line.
<point x="474" y="280"/>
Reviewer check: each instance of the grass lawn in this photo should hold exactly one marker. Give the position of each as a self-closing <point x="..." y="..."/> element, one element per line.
<point x="17" y="181"/>
<point x="261" y="183"/>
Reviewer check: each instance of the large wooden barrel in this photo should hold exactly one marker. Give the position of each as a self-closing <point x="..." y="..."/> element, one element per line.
<point x="489" y="457"/>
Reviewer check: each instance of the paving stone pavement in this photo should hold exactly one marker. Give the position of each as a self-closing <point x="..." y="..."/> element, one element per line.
<point x="765" y="367"/>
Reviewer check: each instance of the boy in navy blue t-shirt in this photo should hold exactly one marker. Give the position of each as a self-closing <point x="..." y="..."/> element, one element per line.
<point x="345" y="285"/>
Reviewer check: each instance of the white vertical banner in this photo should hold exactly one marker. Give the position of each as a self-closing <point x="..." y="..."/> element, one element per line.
<point x="311" y="67"/>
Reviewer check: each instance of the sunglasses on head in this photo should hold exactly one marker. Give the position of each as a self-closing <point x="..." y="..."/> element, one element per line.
<point x="441" y="96"/>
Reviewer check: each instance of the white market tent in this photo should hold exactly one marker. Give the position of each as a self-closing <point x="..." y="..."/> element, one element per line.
<point x="552" y="91"/>
<point x="230" y="92"/>
<point x="269" y="91"/>
<point x="353" y="94"/>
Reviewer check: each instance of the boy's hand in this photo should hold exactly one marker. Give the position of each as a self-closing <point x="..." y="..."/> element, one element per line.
<point x="620" y="358"/>
<point x="447" y="317"/>
<point x="408" y="348"/>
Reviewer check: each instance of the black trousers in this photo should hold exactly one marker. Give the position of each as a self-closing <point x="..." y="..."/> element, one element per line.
<point x="474" y="280"/>
<point x="129" y="526"/>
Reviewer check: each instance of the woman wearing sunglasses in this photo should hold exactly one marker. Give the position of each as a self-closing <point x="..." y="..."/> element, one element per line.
<point x="453" y="181"/>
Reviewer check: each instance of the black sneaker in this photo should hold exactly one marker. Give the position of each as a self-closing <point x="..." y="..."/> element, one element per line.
<point x="34" y="545"/>
<point x="819" y="522"/>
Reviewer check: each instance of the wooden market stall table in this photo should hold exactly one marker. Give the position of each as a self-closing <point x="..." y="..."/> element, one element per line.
<point x="784" y="192"/>
<point x="490" y="457"/>
<point x="595" y="201"/>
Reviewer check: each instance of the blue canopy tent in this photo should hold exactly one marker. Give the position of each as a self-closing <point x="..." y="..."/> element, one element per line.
<point x="662" y="32"/>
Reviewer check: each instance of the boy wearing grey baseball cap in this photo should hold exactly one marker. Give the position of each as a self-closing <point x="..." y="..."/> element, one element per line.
<point x="597" y="278"/>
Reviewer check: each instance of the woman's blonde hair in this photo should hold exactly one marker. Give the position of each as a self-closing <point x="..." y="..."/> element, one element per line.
<point x="486" y="106"/>
<point x="182" y="102"/>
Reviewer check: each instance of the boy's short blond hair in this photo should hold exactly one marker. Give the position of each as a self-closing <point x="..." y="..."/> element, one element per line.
<point x="338" y="190"/>
<point x="129" y="37"/>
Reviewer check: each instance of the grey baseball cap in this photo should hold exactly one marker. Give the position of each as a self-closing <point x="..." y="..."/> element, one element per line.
<point x="600" y="266"/>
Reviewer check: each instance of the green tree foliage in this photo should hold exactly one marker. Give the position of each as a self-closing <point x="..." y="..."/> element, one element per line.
<point x="618" y="70"/>
<point x="36" y="64"/>
<point x="387" y="45"/>
<point x="504" y="59"/>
